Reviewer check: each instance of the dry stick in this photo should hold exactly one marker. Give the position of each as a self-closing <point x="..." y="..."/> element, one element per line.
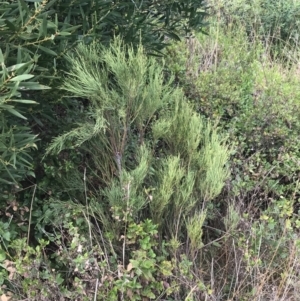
<point x="265" y="276"/>
<point x="90" y="231"/>
<point x="212" y="279"/>
<point x="125" y="232"/>
<point x="87" y="207"/>
<point x="191" y="292"/>
<point x="104" y="248"/>
<point x="238" y="266"/>
<point x="290" y="269"/>
<point x="96" y="290"/>
<point x="30" y="214"/>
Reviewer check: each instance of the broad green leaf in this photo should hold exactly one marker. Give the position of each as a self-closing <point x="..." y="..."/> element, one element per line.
<point x="59" y="279"/>
<point x="6" y="236"/>
<point x="2" y="255"/>
<point x="22" y="77"/>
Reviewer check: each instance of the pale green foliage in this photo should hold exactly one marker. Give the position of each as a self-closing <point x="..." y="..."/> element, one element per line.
<point x="149" y="148"/>
<point x="184" y="132"/>
<point x="194" y="226"/>
<point x="232" y="218"/>
<point x="212" y="158"/>
<point x="118" y="106"/>
<point x="169" y="178"/>
<point x="181" y="128"/>
<point x="126" y="194"/>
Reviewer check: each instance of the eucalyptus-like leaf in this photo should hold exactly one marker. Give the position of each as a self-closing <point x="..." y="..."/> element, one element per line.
<point x="47" y="50"/>
<point x="16" y="113"/>
<point x="22" y="77"/>
<point x="25" y="101"/>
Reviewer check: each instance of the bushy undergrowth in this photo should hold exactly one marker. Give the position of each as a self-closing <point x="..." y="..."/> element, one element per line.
<point x="152" y="167"/>
<point x="171" y="179"/>
<point x="256" y="99"/>
<point x="275" y="23"/>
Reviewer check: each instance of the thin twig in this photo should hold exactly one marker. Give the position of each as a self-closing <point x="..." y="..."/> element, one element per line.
<point x="87" y="208"/>
<point x="96" y="290"/>
<point x="30" y="213"/>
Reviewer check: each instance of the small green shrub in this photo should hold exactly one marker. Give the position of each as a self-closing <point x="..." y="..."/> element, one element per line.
<point x="151" y="156"/>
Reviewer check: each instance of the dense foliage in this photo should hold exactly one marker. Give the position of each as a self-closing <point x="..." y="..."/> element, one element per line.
<point x="144" y="160"/>
<point x="275" y="22"/>
<point x="35" y="36"/>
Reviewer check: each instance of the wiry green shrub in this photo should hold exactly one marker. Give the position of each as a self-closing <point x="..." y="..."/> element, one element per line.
<point x="36" y="34"/>
<point x="136" y="120"/>
<point x="256" y="99"/>
<point x="150" y="154"/>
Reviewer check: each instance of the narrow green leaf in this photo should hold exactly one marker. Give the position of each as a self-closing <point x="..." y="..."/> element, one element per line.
<point x="1" y="57"/>
<point x="5" y="181"/>
<point x="27" y="163"/>
<point x="16" y="67"/>
<point x="49" y="4"/>
<point x="63" y="33"/>
<point x="16" y="113"/>
<point x="43" y="28"/>
<point x="22" y="77"/>
<point x="2" y="255"/>
<point x="24" y="101"/>
<point x="32" y="86"/>
<point x="37" y="120"/>
<point x="10" y="25"/>
<point x="19" y="55"/>
<point x="24" y="5"/>
<point x="31" y="173"/>
<point x="72" y="28"/>
<point x="173" y="36"/>
<point x="13" y="158"/>
<point x="47" y="50"/>
<point x="28" y="36"/>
